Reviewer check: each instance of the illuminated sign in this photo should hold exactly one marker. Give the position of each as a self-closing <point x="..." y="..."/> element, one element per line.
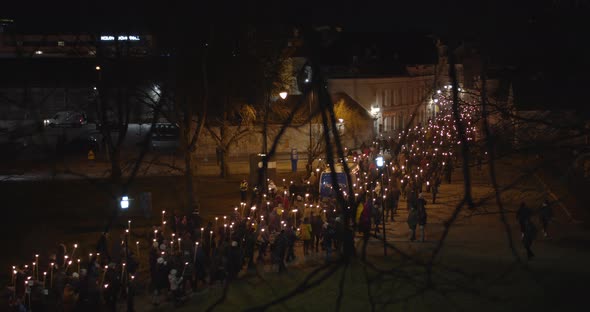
<point x="119" y="38"/>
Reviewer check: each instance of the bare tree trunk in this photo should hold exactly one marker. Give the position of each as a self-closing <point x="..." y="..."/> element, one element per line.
<point x="115" y="158"/>
<point x="224" y="163"/>
<point x="188" y="175"/>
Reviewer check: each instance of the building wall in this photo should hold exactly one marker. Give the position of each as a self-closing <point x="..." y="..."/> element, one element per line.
<point x="397" y="98"/>
<point x="292" y="138"/>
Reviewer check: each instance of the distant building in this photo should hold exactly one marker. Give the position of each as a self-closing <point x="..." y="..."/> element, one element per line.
<point x="47" y="73"/>
<point x="398" y="100"/>
<point x="13" y="45"/>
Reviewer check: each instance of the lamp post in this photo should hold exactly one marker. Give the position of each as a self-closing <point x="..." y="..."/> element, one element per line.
<point x="283" y="95"/>
<point x="295" y="217"/>
<point x="310" y="150"/>
<point x="124" y="204"/>
<point x="379" y="162"/>
<point x="375" y="112"/>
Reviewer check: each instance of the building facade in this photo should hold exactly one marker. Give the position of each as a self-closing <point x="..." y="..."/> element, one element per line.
<point x="397" y="101"/>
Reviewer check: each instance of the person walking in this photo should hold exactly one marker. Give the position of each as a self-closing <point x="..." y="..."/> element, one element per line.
<point x="234" y="260"/>
<point x="435" y="185"/>
<point x="160" y="280"/>
<point x="523" y="215"/>
<point x="365" y="226"/>
<point x="280" y="251"/>
<point x="448" y="170"/>
<point x="250" y="243"/>
<point x="377" y="213"/>
<point x="545" y="216"/>
<point x="413" y="222"/>
<point x="316" y="232"/>
<point x="328" y="237"/>
<point x="530" y="234"/>
<point x="305" y="231"/>
<point x="394" y="195"/>
<point x="421" y="207"/>
<point x="291" y="238"/>
<point x="263" y="241"/>
<point x="412" y="198"/>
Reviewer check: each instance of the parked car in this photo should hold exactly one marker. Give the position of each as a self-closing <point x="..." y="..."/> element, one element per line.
<point x="67" y="119"/>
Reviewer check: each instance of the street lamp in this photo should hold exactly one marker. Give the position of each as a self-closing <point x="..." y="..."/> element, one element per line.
<point x="282" y="95"/>
<point x="295" y="217"/>
<point x="124" y="203"/>
<point x="375" y="112"/>
<point x="379" y="161"/>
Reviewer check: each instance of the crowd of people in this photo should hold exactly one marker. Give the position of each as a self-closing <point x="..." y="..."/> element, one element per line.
<point x="187" y="253"/>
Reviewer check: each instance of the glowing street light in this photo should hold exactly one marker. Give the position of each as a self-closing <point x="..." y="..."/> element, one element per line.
<point x="124" y="202"/>
<point x="379" y="161"/>
<point x="283" y="95"/>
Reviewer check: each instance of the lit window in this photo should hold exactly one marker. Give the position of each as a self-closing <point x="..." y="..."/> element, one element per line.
<point x="61" y="43"/>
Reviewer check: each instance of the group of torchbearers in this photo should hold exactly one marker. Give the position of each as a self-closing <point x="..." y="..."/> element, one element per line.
<point x="185" y="257"/>
<point x="69" y="280"/>
<point x="186" y="254"/>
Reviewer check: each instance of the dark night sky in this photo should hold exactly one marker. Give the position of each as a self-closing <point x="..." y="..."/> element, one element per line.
<point x="545" y="40"/>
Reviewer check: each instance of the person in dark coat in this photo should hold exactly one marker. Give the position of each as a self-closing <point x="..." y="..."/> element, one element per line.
<point x="545" y="216"/>
<point x="160" y="280"/>
<point x="102" y="247"/>
<point x="421" y="208"/>
<point x="280" y="250"/>
<point x="60" y="255"/>
<point x="234" y="260"/>
<point x="291" y="238"/>
<point x="448" y="171"/>
<point x="377" y="213"/>
<point x="328" y="237"/>
<point x="348" y="249"/>
<point x="153" y="262"/>
<point x="412" y="197"/>
<point x="413" y="222"/>
<point x="530" y="234"/>
<point x="316" y="232"/>
<point x="365" y="225"/>
<point x="339" y="234"/>
<point x="523" y="215"/>
<point x="111" y="287"/>
<point x="435" y="186"/>
<point x="250" y="243"/>
<point x="394" y="195"/>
